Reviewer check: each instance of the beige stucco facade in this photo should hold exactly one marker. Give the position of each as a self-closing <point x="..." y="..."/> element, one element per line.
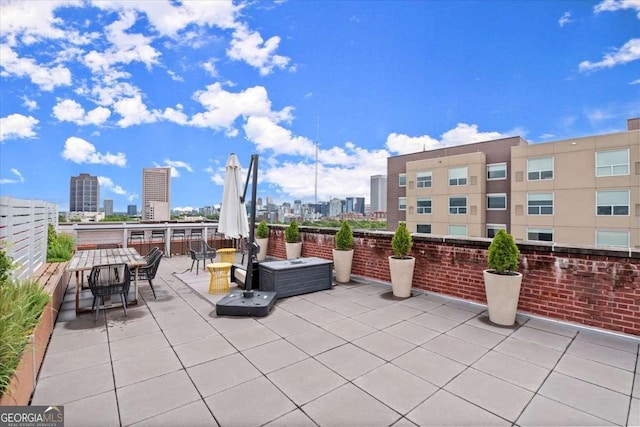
<point x="575" y="187"/>
<point x="581" y="191"/>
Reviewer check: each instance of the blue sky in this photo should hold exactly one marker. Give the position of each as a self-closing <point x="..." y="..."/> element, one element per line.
<point x="110" y="87"/>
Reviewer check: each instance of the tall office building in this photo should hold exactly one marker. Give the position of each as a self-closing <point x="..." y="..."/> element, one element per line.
<point x="132" y="210"/>
<point x="84" y="193"/>
<point x="156" y="194"/>
<point x="108" y="207"/>
<point x="379" y="193"/>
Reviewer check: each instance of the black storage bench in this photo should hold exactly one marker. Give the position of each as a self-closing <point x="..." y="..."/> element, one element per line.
<point x="296" y="276"/>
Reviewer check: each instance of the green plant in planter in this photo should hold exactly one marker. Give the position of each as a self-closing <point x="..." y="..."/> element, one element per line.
<point x="263" y="230"/>
<point x="401" y="242"/>
<point x="503" y="254"/>
<point x="292" y="232"/>
<point x="21" y="304"/>
<point x="59" y="246"/>
<point x="344" y="237"/>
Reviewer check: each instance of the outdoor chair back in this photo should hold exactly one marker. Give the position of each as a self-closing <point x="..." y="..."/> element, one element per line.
<point x="200" y="251"/>
<point x="106" y="280"/>
<point x="148" y="271"/>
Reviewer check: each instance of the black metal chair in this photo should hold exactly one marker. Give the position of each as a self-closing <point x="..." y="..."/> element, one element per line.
<point x="151" y="253"/>
<point x="136" y="237"/>
<point x="200" y="251"/>
<point x="195" y="234"/>
<point x="157" y="236"/>
<point x="148" y="272"/>
<point x="106" y="280"/>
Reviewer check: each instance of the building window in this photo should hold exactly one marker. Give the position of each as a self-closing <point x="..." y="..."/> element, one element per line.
<point x="540" y="204"/>
<point x="424" y="228"/>
<point x="612" y="163"/>
<point x="492" y="229"/>
<point x="402" y="203"/>
<point x="457" y="230"/>
<point x="423" y="179"/>
<point x="402" y="180"/>
<point x="540" y="234"/>
<point x="497" y="171"/>
<point x="612" y="238"/>
<point x="497" y="201"/>
<point x="458" y="205"/>
<point x="540" y="168"/>
<point x="458" y="176"/>
<point x="612" y="202"/>
<point x="424" y="205"/>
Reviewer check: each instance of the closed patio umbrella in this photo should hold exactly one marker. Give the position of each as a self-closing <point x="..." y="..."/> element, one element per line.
<point x="233" y="221"/>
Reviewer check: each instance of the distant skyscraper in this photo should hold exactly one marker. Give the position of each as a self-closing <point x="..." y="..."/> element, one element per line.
<point x="359" y="205"/>
<point x="84" y="193"/>
<point x="108" y="207"/>
<point x="379" y="193"/>
<point x="132" y="210"/>
<point x="156" y="194"/>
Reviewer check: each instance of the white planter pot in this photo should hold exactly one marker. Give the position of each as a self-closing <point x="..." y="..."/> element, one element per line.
<point x="401" y="270"/>
<point x="342" y="260"/>
<point x="293" y="250"/>
<point x="502" y="292"/>
<point x="263" y="243"/>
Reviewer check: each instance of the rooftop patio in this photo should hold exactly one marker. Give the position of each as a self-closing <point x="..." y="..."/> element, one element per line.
<point x="352" y="355"/>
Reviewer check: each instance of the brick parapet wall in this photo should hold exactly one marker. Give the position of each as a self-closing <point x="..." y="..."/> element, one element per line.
<point x="591" y="286"/>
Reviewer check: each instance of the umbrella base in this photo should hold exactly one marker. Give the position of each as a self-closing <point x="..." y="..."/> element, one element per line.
<point x="236" y="303"/>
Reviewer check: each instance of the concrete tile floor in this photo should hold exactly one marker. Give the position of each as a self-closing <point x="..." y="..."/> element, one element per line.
<point x="348" y="356"/>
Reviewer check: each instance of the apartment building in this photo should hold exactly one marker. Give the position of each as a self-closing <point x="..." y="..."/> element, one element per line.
<point x="583" y="191"/>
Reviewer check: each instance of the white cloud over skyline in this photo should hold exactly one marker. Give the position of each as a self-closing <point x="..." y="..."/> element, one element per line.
<point x="78" y="150"/>
<point x="16" y="126"/>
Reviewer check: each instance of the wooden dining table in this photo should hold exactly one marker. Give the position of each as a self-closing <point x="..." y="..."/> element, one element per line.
<point x="83" y="261"/>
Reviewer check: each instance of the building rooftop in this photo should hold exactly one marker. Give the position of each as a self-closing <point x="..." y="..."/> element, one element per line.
<point x="352" y="355"/>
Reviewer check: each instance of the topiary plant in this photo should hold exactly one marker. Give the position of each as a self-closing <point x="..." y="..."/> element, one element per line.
<point x="503" y="254"/>
<point x="344" y="237"/>
<point x="401" y="242"/>
<point x="292" y="233"/>
<point x="263" y="230"/>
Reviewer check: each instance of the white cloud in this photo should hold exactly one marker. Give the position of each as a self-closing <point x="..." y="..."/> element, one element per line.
<point x="599" y="115"/>
<point x="169" y="18"/>
<point x="210" y="67"/>
<point x="175" y="165"/>
<point x="35" y="20"/>
<point x="16" y="126"/>
<point x="17" y="180"/>
<point x="175" y="77"/>
<point x="80" y="151"/>
<point x="613" y="5"/>
<point x="134" y="112"/>
<point x="107" y="183"/>
<point x="248" y="46"/>
<point x="29" y="103"/>
<point x="461" y="134"/>
<point x="565" y="19"/>
<point x="69" y="110"/>
<point x="635" y="82"/>
<point x="175" y="115"/>
<point x="629" y="52"/>
<point x="47" y="78"/>
<point x="268" y="135"/>
<point x="223" y="108"/>
<point x="126" y="47"/>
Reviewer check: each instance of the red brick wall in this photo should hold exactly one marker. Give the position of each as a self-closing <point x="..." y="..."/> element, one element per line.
<point x="594" y="287"/>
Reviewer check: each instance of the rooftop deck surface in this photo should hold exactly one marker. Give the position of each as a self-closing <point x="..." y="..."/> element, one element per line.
<point x="349" y="356"/>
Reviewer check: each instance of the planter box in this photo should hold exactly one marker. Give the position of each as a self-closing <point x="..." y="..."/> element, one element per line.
<point x="54" y="278"/>
<point x="295" y="277"/>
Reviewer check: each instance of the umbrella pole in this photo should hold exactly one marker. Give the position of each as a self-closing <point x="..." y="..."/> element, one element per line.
<point x="253" y="172"/>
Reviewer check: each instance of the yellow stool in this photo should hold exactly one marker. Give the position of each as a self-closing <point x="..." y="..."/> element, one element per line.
<point x="227" y="254"/>
<point x="219" y="282"/>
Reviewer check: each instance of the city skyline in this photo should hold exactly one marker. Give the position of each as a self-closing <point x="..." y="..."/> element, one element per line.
<point x="111" y="88"/>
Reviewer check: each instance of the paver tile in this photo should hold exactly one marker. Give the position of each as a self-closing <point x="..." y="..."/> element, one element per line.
<point x="430" y="366"/>
<point x="596" y="373"/>
<point x="306" y="380"/>
<point x="543" y="411"/>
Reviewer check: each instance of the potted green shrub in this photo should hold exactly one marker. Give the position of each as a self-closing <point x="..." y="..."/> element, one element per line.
<point x="343" y="253"/>
<point x="293" y="244"/>
<point x="502" y="281"/>
<point x="401" y="265"/>
<point x="262" y="239"/>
